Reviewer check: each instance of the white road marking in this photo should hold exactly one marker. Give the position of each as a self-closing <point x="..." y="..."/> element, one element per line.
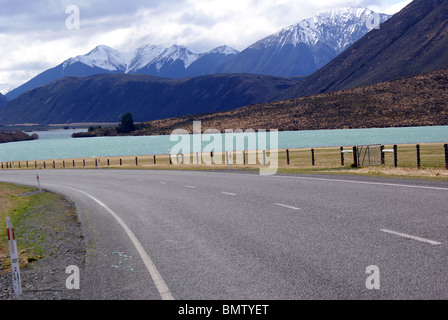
<point x="162" y="182"/>
<point x="228" y="193"/>
<point x="155" y="275"/>
<point x="191" y="187"/>
<point x="331" y="180"/>
<point x="286" y="206"/>
<point x="411" y="237"/>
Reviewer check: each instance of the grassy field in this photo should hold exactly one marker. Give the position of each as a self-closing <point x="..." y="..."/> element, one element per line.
<point x="326" y="160"/>
<point x="33" y="215"/>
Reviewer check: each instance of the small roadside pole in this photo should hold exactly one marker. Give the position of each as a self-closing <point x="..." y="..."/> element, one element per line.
<point x="419" y="165"/>
<point x="395" y="156"/>
<point x="38" y="182"/>
<point x="445" y="146"/>
<point x="15" y="270"/>
<point x="229" y="159"/>
<point x="355" y="157"/>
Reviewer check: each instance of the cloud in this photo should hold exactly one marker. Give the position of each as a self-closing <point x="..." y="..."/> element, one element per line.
<point x="34" y="37"/>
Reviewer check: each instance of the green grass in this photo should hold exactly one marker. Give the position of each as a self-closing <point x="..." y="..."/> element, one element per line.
<point x="34" y="216"/>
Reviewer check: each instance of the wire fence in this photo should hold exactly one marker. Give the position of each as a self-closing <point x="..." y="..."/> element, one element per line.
<point x="420" y="156"/>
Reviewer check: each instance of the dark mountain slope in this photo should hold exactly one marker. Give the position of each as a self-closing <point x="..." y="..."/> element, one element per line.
<point x="104" y="98"/>
<point x="413" y="41"/>
<point x="420" y="100"/>
<point x="3" y="100"/>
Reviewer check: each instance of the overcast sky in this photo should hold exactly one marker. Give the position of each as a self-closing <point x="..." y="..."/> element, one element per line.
<point x="34" y="35"/>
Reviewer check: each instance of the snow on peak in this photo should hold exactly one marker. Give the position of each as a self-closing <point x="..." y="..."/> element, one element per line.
<point x="175" y="53"/>
<point x="110" y="59"/>
<point x="102" y="57"/>
<point x="144" y="56"/>
<point x="226" y="50"/>
<point x="335" y="28"/>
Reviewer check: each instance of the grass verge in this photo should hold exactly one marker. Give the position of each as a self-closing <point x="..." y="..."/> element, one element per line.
<point x="35" y="216"/>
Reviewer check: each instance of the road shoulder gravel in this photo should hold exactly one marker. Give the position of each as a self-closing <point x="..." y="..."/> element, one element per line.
<point x="51" y="224"/>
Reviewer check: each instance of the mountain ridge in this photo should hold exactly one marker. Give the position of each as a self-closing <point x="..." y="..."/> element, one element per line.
<point x="289" y="52"/>
<point x="420" y="100"/>
<point x="172" y="62"/>
<point x="307" y="45"/>
<point x="413" y="41"/>
<point x="105" y="97"/>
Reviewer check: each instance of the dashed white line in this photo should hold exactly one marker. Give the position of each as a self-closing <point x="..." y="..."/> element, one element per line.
<point x="228" y="193"/>
<point x="191" y="187"/>
<point x="404" y="235"/>
<point x="162" y="182"/>
<point x="286" y="206"/>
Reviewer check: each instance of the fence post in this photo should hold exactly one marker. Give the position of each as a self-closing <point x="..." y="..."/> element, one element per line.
<point x="342" y="156"/>
<point x="83" y="162"/>
<point x="355" y="157"/>
<point x="244" y="157"/>
<point x="446" y="155"/>
<point x="382" y="156"/>
<point x="287" y="157"/>
<point x="418" y="156"/>
<point x="121" y="162"/>
<point x="312" y="157"/>
<point x="154" y="159"/>
<point x="211" y="157"/>
<point x="108" y="162"/>
<point x="35" y="164"/>
<point x="395" y="156"/>
<point x="96" y="162"/>
<point x="136" y="161"/>
<point x="45" y="165"/>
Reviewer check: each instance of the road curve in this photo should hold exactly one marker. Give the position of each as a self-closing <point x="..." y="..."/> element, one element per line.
<point x="188" y="235"/>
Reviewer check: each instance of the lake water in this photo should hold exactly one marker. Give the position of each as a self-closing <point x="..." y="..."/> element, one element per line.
<point x="60" y="145"/>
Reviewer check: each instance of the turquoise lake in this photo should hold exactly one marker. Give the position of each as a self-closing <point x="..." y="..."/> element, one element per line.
<point x="60" y="145"/>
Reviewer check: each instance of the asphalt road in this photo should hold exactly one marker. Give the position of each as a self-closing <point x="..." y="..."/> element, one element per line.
<point x="230" y="236"/>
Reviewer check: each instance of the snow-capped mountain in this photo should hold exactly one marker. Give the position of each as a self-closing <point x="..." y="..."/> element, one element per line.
<point x="173" y="62"/>
<point x="144" y="56"/>
<point x="302" y="48"/>
<point x="102" y="57"/>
